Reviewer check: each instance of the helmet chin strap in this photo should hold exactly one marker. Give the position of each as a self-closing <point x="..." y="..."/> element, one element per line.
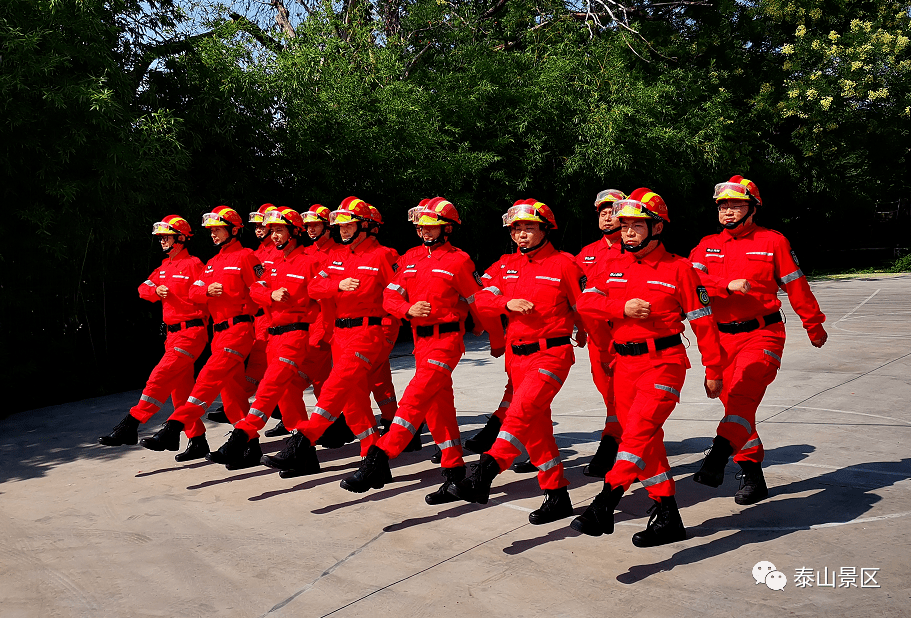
<point x="610" y="232"/>
<point x="225" y="243"/>
<point x="645" y="242"/>
<point x="536" y="247"/>
<point x="173" y="244"/>
<point x="736" y="224"/>
<point x="353" y="236"/>
<point x="439" y="240"/>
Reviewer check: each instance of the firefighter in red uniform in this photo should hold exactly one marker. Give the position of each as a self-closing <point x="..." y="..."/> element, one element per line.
<point x="537" y="289"/>
<point x="593" y="259"/>
<point x="224" y="286"/>
<point x="646" y="293"/>
<point x="316" y="224"/>
<point x="354" y="277"/>
<point x="284" y="293"/>
<point x="185" y="323"/>
<point x="743" y="268"/>
<point x="428" y="289"/>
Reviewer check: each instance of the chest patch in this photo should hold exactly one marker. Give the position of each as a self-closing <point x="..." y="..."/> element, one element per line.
<point x="616" y="274"/>
<point x="713" y="250"/>
<point x="589" y="258"/>
<point x="512" y="272"/>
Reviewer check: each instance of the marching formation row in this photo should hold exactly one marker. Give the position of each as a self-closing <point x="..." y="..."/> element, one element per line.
<point x="321" y="301"/>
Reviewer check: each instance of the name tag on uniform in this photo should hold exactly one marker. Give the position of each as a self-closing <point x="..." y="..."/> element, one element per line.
<point x="713" y="250"/>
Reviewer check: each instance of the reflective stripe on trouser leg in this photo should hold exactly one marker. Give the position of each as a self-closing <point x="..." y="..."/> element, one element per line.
<point x="528" y="419"/>
<point x="604" y="384"/>
<point x="257" y="363"/>
<point x="281" y="374"/>
<point x="745" y="380"/>
<point x="751" y="451"/>
<point x="172" y="376"/>
<point x="644" y="408"/>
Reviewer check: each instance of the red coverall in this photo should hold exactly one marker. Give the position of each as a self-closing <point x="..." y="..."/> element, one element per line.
<point x="486" y="278"/>
<point x="174" y="373"/>
<point x="234" y="268"/>
<point x="444" y="278"/>
<point x="256" y="361"/>
<point x="356" y="350"/>
<point x="752" y="359"/>
<point x="549" y="279"/>
<point x="320" y="354"/>
<point x="381" y="378"/>
<point x="647" y="386"/>
<point x="289" y="368"/>
<point x="593" y="259"/>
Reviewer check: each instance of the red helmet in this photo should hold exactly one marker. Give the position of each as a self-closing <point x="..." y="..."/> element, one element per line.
<point x="317" y="214"/>
<point x="351" y="209"/>
<point x="608" y="197"/>
<point x="438" y="211"/>
<point x="257" y="216"/>
<point x="375" y="215"/>
<point x="173" y="225"/>
<point x="284" y="216"/>
<point x="642" y="204"/>
<point x="222" y="217"/>
<point x="737" y="188"/>
<point x="415" y="213"/>
<point x="530" y="210"/>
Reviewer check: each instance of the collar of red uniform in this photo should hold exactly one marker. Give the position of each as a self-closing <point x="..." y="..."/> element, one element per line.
<point x="727" y="236"/>
<point x="541" y="254"/>
<point x="231" y="246"/>
<point x="168" y="259"/>
<point x="440" y="250"/>
<point x="296" y="251"/>
<point x="651" y="259"/>
<point x="323" y="243"/>
<point x="368" y="243"/>
<point x="266" y="242"/>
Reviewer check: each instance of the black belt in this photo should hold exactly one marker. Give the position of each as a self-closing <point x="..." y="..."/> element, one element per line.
<point x="744" y="327"/>
<point x="640" y="348"/>
<point x="174" y="328"/>
<point x="259" y="313"/>
<point x="237" y="319"/>
<point x="445" y="327"/>
<point x="287" y="328"/>
<point x="526" y="349"/>
<point x="352" y="322"/>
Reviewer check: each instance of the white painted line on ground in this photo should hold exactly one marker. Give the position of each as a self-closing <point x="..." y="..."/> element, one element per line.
<point x="865" y="301"/>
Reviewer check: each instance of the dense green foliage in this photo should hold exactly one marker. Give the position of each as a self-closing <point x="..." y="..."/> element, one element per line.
<point x="118" y="112"/>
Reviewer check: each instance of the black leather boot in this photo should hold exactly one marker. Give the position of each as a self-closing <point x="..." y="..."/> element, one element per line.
<point x="385" y="424"/>
<point x="484" y="439"/>
<point x="557" y="505"/>
<point x="476" y="488"/>
<point x="165" y="439"/>
<point x="442" y="495"/>
<point x="232" y="450"/>
<point x="415" y="444"/>
<point x="373" y="473"/>
<point x="598" y="518"/>
<point x="197" y="448"/>
<point x="437" y="456"/>
<point x="253" y="455"/>
<point x="305" y="461"/>
<point x="278" y="430"/>
<point x="125" y="432"/>
<point x="603" y="460"/>
<point x="218" y="415"/>
<point x="523" y="467"/>
<point x="712" y="471"/>
<point x="288" y="456"/>
<point x="752" y="484"/>
<point x="664" y="526"/>
<point x="337" y="435"/>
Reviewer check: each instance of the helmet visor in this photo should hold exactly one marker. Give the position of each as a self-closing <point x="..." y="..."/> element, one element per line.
<point x="213" y="219"/>
<point x="730" y="191"/>
<point x="163" y="228"/>
<point x="312" y="217"/>
<point x="631" y="208"/>
<point x="274" y="216"/>
<point x="429" y="218"/>
<point x="256" y="217"/>
<point x="521" y="212"/>
<point x="607" y="196"/>
<point x="337" y="217"/>
<point x="414" y="214"/>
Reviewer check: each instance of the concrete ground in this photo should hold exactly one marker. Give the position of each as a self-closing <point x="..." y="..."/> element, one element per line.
<point x="87" y="530"/>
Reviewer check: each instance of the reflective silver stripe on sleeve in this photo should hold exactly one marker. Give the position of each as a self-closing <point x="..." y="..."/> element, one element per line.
<point x="199" y="283"/>
<point x="400" y="421"/>
<point x="700" y="266"/>
<point x="610" y="419"/>
<point x="699" y="313"/>
<point x="551" y="375"/>
<point x="323" y="274"/>
<point x="547" y="465"/>
<point x="287" y="360"/>
<point x="370" y="431"/>
<point x="668" y="389"/>
<point x="148" y="283"/>
<point x="258" y="413"/>
<point x="504" y="404"/>
<point x="593" y="290"/>
<point x="752" y="444"/>
<point x="263" y="283"/>
<point x="386" y="401"/>
<point x="324" y="413"/>
<point x="772" y="354"/>
<point x="486" y="276"/>
<point x="624" y="456"/>
<point x="449" y="444"/>
<point x="470" y="300"/>
<point x="397" y="288"/>
<point x="251" y="380"/>
<point x="182" y="351"/>
<point x="738" y="420"/>
<point x="362" y="357"/>
<point x="797" y="274"/>
<point x="304" y="376"/>
<point x="439" y="364"/>
<point x="197" y="402"/>
<point x="494" y="290"/>
<point x="151" y="400"/>
<point x="232" y="351"/>
<point x="510" y="438"/>
<point x="658" y="478"/>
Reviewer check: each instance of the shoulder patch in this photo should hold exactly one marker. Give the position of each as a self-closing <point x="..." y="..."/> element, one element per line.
<point x="259" y="270"/>
<point x="477" y="278"/>
<point x="703" y="295"/>
<point x="395" y="267"/>
<point x="794" y="257"/>
<point x="583" y="280"/>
